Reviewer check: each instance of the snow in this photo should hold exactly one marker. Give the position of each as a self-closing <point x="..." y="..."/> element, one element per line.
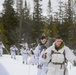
<point x="10" y="66"/>
<point x="71" y="69"/>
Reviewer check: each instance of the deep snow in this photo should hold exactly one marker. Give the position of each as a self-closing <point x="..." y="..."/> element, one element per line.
<point x="10" y="66"/>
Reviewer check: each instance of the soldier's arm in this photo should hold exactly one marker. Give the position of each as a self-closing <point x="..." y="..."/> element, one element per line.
<point x="69" y="55"/>
<point x="47" y="55"/>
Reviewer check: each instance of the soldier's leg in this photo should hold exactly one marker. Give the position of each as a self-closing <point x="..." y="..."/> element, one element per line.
<point x="23" y="60"/>
<point x="26" y="59"/>
<point x="14" y="55"/>
<point x="0" y="52"/>
<point x="11" y="54"/>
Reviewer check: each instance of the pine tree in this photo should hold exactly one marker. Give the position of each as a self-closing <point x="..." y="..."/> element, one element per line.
<point x="54" y="31"/>
<point x="49" y="12"/>
<point x="70" y="22"/>
<point x="27" y="24"/>
<point x="46" y="31"/>
<point x="37" y="17"/>
<point x="9" y="21"/>
<point x="20" y="14"/>
<point x="50" y="17"/>
<point x="61" y="12"/>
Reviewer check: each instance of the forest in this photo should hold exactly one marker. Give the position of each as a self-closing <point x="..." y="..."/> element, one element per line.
<point x="18" y="25"/>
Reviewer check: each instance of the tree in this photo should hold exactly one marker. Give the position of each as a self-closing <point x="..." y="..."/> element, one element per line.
<point x="49" y="11"/>
<point x="54" y="31"/>
<point x="70" y="21"/>
<point x="37" y="20"/>
<point x="27" y="23"/>
<point x="46" y="31"/>
<point x="9" y="21"/>
<point x="61" y="12"/>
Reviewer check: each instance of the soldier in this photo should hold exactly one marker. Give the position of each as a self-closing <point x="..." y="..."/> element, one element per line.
<point x="57" y="55"/>
<point x="42" y="64"/>
<point x="32" y="59"/>
<point x="38" y="50"/>
<point x="13" y="50"/>
<point x="24" y="53"/>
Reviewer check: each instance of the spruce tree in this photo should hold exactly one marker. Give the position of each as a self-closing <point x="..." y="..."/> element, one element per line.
<point x="9" y="21"/>
<point x="37" y="17"/>
<point x="27" y="25"/>
<point x="49" y="12"/>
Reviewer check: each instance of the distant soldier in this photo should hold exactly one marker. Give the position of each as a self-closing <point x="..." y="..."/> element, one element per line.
<point x="1" y="48"/>
<point x="24" y="53"/>
<point x="32" y="59"/>
<point x="13" y="50"/>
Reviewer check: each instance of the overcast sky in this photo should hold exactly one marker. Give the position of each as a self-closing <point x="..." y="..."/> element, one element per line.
<point x="44" y="3"/>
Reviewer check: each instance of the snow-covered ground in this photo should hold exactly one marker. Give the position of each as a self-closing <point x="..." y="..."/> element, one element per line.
<point x="71" y="69"/>
<point x="10" y="66"/>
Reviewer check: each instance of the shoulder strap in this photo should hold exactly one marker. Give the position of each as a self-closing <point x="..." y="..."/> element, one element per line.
<point x="53" y="52"/>
<point x="65" y="57"/>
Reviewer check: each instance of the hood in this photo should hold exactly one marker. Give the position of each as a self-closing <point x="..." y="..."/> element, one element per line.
<point x="58" y="48"/>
